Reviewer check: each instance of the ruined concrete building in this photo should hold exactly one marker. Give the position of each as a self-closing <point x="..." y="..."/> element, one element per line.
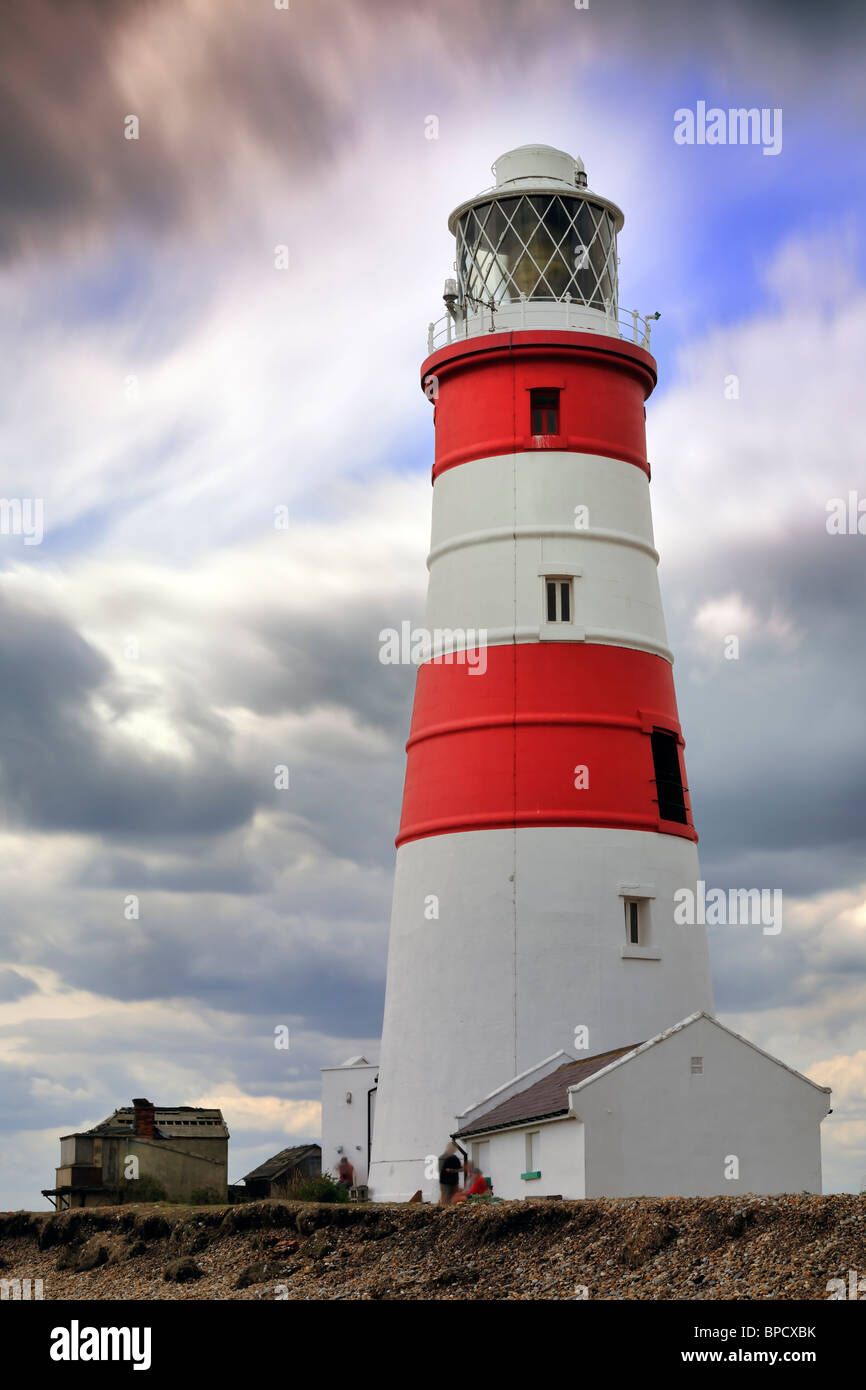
<point x="183" y="1150"/>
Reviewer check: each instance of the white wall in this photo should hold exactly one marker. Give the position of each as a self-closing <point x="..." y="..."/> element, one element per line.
<point x="560" y="1161"/>
<point x="345" y="1123"/>
<point x="527" y="947"/>
<point x="500" y="524"/>
<point x="653" y="1129"/>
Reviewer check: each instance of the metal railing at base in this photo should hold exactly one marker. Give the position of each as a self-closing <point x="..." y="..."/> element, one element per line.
<point x="629" y="325"/>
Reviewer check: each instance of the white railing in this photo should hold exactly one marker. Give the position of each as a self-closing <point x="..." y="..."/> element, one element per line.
<point x="541" y="313"/>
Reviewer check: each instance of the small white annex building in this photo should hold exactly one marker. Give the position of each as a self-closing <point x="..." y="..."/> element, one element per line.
<point x="348" y="1108"/>
<point x="695" y="1111"/>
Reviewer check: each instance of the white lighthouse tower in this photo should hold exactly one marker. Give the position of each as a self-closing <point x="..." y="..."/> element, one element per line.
<point x="546" y="820"/>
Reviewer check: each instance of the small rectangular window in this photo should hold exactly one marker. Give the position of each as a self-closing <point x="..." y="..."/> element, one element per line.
<point x="632" y="922"/>
<point x="697" y="1068"/>
<point x="544" y="412"/>
<point x="668" y="778"/>
<point x="533" y="1155"/>
<point x="558" y="600"/>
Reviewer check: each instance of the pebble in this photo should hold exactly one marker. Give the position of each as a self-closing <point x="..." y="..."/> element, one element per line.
<point x="787" y="1247"/>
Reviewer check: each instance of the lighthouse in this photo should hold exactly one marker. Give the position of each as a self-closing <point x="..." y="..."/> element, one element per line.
<point x="546" y="822"/>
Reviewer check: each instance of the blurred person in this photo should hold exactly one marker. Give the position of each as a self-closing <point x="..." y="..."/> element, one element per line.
<point x="476" y="1183"/>
<point x="345" y="1173"/>
<point x="449" y="1174"/>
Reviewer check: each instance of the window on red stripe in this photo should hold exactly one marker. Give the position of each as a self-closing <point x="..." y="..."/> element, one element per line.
<point x="544" y="411"/>
<point x="668" y="777"/>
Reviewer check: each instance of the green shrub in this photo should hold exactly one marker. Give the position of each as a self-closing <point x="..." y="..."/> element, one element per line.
<point x="323" y="1189"/>
<point x="204" y="1197"/>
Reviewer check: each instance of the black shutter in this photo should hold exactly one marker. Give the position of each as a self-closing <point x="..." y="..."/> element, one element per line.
<point x="551" y="602"/>
<point x="669" y="781"/>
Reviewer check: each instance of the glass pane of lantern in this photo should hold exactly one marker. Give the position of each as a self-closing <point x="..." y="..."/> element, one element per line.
<point x="524" y="219"/>
<point x="539" y="245"/>
<point x="605" y="231"/>
<point x="559" y="268"/>
<point x="524" y="274"/>
<point x="494" y="225"/>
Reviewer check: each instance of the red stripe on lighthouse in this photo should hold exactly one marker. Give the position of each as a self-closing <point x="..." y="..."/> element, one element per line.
<point x="483" y="385"/>
<point x="503" y="748"/>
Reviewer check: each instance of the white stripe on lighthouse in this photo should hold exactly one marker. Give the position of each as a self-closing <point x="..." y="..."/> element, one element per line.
<point x="502" y="525"/>
<point x="529" y="945"/>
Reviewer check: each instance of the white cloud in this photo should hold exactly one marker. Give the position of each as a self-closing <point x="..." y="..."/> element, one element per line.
<point x="718" y="619"/>
<point x="760" y="467"/>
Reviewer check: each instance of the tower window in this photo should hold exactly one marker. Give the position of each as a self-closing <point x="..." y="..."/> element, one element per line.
<point x="633" y="922"/>
<point x="558" y="600"/>
<point x="697" y="1066"/>
<point x="544" y="412"/>
<point x="668" y="778"/>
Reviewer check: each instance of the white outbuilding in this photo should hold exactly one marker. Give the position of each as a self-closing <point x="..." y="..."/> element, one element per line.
<point x="348" y="1109"/>
<point x="695" y="1111"/>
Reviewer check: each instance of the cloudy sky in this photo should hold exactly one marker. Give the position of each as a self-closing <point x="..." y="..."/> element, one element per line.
<point x="167" y="389"/>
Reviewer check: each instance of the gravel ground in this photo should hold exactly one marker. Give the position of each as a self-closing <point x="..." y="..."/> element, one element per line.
<point x="784" y="1247"/>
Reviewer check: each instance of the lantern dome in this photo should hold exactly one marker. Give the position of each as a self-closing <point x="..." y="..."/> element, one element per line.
<point x="539" y="238"/>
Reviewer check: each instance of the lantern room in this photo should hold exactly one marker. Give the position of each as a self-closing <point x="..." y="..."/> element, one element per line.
<point x="537" y="250"/>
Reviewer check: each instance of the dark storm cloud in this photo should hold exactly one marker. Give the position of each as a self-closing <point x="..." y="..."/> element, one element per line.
<point x="215" y="923"/>
<point x="21" y="1109"/>
<point x="63" y="767"/>
<point x="58" y="769"/>
<point x="776" y="758"/>
<point x="293" y="86"/>
<point x="53" y="61"/>
<point x="14" y="986"/>
<point x="752" y="972"/>
<point x="67" y="85"/>
<point x="795" y="968"/>
<point x="103" y="1077"/>
<point x="193" y="870"/>
<point x="308" y="663"/>
<point x="247" y="962"/>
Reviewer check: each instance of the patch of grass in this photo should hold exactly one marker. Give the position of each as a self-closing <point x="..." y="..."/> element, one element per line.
<point x="141" y="1190"/>
<point x="205" y="1197"/>
<point x="322" y="1189"/>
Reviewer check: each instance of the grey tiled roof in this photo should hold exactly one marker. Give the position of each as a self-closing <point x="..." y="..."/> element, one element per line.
<point x="543" y="1098"/>
<point x="286" y="1158"/>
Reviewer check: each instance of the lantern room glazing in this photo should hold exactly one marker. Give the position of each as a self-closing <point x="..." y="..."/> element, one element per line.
<point x="539" y="245"/>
